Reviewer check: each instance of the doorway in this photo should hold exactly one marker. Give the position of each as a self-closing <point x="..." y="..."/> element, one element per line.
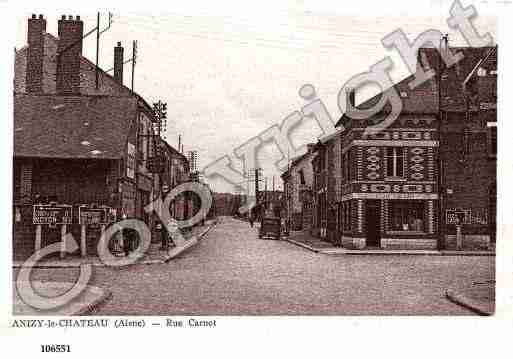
<point x="373" y="223"/>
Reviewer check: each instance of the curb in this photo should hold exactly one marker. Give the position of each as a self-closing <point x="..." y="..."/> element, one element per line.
<point x="468" y="303"/>
<point x="75" y="307"/>
<point x="342" y="251"/>
<point x="300" y="244"/>
<point x="77" y="265"/>
<point x="173" y="253"/>
<point x="90" y="308"/>
<point x="166" y="258"/>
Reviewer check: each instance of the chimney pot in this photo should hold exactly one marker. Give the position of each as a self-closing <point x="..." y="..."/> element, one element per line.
<point x="70" y="17"/>
<point x="78" y="17"/>
<point x="118" y="63"/>
<point x="41" y="16"/>
<point x="69" y="50"/>
<point x="63" y="17"/>
<point x="35" y="54"/>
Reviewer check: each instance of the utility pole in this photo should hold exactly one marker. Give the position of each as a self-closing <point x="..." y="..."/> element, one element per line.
<point x="257" y="190"/>
<point x="134" y="57"/>
<point x="265" y="201"/>
<point x="289" y="194"/>
<point x="97" y="46"/>
<point x="441" y="189"/>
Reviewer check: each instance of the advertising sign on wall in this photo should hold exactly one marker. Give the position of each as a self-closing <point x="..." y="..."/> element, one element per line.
<point x="52" y="214"/>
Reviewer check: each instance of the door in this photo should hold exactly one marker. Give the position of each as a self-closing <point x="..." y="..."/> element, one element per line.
<point x="372" y="223"/>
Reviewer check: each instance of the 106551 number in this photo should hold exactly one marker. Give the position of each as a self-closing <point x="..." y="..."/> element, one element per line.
<point x="55" y="348"/>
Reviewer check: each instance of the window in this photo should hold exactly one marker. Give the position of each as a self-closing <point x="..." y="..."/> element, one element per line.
<point x="302" y="177"/>
<point x="407" y="216"/>
<point x="395" y="162"/>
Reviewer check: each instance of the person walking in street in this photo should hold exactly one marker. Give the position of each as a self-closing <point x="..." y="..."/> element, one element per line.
<point x="251" y="219"/>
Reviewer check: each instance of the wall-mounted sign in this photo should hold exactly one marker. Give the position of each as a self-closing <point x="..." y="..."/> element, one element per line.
<point x="92" y="216"/>
<point x="457" y="216"/>
<point x="488" y="105"/>
<point x="52" y="214"/>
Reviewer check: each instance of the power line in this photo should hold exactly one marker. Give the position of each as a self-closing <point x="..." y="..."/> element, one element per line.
<point x="260" y="42"/>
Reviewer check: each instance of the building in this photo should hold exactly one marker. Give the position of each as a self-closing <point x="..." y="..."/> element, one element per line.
<point x="327" y="175"/>
<point x="175" y="172"/>
<point x="468" y="146"/>
<point x="81" y="147"/>
<point x="393" y="195"/>
<point x="227" y="204"/>
<point x="298" y="191"/>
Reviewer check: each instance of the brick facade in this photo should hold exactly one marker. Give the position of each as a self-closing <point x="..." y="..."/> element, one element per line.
<point x="103" y="142"/>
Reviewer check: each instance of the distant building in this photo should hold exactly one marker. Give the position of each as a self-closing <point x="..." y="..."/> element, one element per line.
<point x="227" y="204"/>
<point x="326" y="188"/>
<point x="298" y="191"/>
<point x="175" y="171"/>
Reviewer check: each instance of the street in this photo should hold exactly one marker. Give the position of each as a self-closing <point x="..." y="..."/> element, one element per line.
<point x="232" y="272"/>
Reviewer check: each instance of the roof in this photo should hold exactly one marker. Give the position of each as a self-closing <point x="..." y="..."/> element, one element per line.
<point x="92" y="66"/>
<point x="424" y="98"/>
<point x="72" y="126"/>
<point x="421" y="100"/>
<point x="327" y="138"/>
<point x="452" y="78"/>
<point x="174" y="150"/>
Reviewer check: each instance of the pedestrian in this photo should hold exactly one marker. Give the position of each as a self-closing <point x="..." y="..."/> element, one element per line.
<point x="127" y="241"/>
<point x="251" y="220"/>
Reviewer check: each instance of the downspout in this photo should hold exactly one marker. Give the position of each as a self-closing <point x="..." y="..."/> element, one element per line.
<point x="441" y="221"/>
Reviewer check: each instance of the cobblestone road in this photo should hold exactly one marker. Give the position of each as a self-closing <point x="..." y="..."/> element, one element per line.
<point x="233" y="272"/>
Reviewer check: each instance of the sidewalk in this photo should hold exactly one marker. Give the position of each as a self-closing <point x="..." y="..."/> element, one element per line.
<point x="479" y="297"/>
<point x="84" y="303"/>
<point x="317" y="245"/>
<point x="154" y="255"/>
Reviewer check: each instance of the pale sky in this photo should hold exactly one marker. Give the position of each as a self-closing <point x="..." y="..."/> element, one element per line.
<point x="226" y="78"/>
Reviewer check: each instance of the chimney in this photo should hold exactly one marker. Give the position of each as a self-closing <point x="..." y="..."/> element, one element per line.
<point x="70" y="33"/>
<point x="35" y="54"/>
<point x="350" y="99"/>
<point x="118" y="63"/>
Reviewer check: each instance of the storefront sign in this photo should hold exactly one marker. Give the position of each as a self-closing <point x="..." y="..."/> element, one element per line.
<point x="93" y="216"/>
<point x="52" y="214"/>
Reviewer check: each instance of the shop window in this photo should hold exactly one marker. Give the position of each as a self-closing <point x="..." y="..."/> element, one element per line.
<point x="407" y="216"/>
<point x="346" y="166"/>
<point x="346" y="216"/>
<point x="395" y="162"/>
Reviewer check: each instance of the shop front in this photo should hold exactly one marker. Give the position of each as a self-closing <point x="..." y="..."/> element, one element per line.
<point x="389" y="221"/>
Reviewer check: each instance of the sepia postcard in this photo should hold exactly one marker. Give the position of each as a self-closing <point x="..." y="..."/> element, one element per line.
<point x="175" y="167"/>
